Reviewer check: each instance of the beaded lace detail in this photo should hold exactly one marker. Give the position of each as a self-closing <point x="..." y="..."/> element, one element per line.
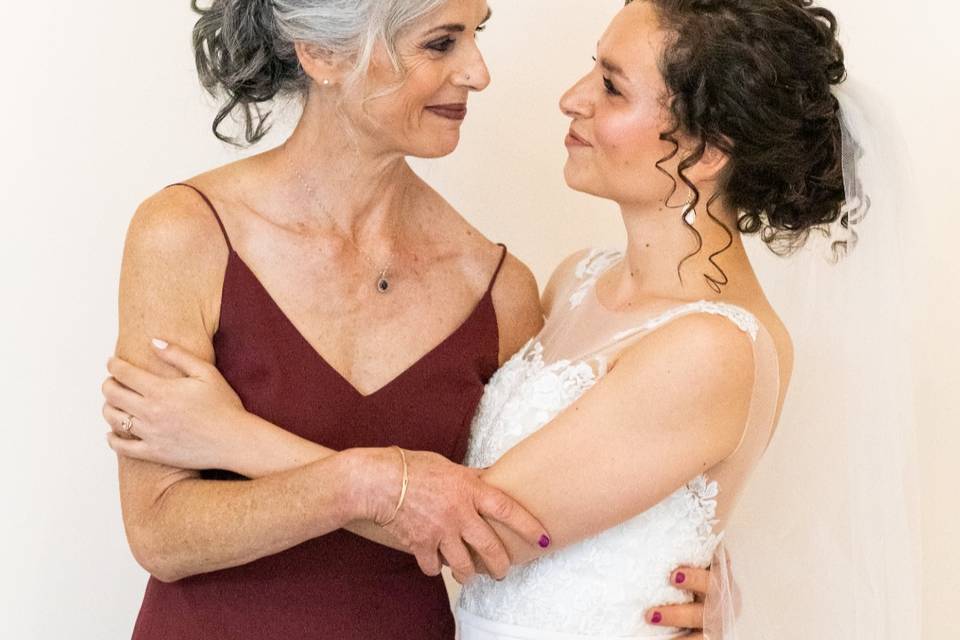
<point x="605" y="584"/>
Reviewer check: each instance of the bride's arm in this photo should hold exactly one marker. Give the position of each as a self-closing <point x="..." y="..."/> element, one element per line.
<point x="674" y="405"/>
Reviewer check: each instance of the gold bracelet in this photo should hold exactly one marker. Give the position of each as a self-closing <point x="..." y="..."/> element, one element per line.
<point x="403" y="487"/>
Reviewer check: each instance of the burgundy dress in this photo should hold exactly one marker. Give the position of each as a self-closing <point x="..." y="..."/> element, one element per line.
<point x="338" y="586"/>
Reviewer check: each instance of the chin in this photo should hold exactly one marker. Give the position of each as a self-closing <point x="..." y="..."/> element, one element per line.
<point x="575" y="179"/>
<point x="438" y="147"/>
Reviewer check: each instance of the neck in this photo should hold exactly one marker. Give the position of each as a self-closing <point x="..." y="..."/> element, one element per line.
<point x="337" y="185"/>
<point x="657" y="265"/>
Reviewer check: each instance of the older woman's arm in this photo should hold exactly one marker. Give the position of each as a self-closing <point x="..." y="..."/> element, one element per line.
<point x="178" y="524"/>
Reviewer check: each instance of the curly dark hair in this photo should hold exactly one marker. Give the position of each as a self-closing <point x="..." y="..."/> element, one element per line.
<point x="753" y="79"/>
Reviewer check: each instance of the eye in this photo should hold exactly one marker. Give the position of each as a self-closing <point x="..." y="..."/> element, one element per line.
<point x="442" y="45"/>
<point x="482" y="28"/>
<point x="608" y="86"/>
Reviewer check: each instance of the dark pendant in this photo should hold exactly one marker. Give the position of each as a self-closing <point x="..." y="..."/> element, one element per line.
<point x="383" y="285"/>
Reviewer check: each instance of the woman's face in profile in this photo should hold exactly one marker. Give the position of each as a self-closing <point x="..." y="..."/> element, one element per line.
<point x="618" y="113"/>
<point x="419" y="110"/>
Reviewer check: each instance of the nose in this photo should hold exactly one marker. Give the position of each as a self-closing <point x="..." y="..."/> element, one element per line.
<point x="474" y="74"/>
<point x="576" y="103"/>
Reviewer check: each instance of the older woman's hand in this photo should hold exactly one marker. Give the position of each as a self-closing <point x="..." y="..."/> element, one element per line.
<point x="443" y="514"/>
<point x="190" y="422"/>
<point x="198" y="422"/>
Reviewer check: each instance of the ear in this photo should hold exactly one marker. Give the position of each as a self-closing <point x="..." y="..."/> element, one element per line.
<point x="321" y="65"/>
<point x="711" y="165"/>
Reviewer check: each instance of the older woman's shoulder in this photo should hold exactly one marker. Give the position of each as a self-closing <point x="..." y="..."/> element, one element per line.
<point x="176" y="219"/>
<point x="174" y="243"/>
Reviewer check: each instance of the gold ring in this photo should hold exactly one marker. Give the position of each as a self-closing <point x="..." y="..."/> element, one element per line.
<point x="127" y="425"/>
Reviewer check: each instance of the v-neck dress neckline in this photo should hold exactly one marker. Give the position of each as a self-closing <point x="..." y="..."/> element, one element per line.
<point x="339" y="585"/>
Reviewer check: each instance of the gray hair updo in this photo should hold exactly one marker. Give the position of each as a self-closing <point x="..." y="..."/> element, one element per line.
<point x="245" y="48"/>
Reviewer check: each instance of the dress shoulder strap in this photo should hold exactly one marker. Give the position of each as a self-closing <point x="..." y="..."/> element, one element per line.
<point x="503" y="257"/>
<point x="213" y="209"/>
<point x="746" y="321"/>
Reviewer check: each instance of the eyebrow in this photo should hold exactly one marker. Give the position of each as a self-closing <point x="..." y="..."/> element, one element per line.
<point x="458" y="28"/>
<point x="613" y="68"/>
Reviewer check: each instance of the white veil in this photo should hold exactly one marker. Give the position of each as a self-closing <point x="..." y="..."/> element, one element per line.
<point x="824" y="543"/>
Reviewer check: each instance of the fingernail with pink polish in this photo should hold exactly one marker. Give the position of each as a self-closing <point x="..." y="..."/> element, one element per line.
<point x="656" y="617"/>
<point x="544" y="541"/>
<point x="680" y="577"/>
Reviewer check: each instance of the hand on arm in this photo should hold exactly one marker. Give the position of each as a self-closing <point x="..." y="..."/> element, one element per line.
<point x="179" y="525"/>
<point x="196" y="420"/>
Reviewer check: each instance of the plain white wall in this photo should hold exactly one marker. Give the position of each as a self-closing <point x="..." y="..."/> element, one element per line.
<point x="101" y="108"/>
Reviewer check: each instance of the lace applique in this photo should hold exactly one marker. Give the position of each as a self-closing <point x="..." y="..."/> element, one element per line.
<point x="589" y="269"/>
<point x="703" y="496"/>
<point x="522" y="396"/>
<point x="747" y="322"/>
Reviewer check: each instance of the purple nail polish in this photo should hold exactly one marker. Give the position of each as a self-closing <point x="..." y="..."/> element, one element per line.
<point x="544" y="541"/>
<point x="656" y="618"/>
<point x="680" y="577"/>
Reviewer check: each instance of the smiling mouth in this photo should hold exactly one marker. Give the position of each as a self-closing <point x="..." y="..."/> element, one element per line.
<point x="449" y="111"/>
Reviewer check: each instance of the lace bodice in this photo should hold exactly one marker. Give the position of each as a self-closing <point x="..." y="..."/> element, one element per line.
<point x="601" y="586"/>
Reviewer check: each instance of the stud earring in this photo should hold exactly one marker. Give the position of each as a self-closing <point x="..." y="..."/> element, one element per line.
<point x="326" y="82"/>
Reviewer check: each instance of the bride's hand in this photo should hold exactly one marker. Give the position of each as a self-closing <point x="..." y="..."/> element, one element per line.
<point x="685" y="616"/>
<point x="190" y="422"/>
<point x="697" y="582"/>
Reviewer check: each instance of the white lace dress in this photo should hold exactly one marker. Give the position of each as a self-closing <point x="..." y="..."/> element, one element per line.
<point x="600" y="587"/>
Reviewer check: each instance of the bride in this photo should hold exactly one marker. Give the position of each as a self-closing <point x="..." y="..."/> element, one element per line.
<point x="631" y="424"/>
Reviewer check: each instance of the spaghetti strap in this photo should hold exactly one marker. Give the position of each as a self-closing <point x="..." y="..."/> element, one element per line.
<point x="212" y="208"/>
<point x="503" y="257"/>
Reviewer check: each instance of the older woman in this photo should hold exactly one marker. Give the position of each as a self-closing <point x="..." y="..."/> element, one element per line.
<point x="342" y="299"/>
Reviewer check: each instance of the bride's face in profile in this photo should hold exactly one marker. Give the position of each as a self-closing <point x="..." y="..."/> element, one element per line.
<point x="420" y="109"/>
<point x="618" y="112"/>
